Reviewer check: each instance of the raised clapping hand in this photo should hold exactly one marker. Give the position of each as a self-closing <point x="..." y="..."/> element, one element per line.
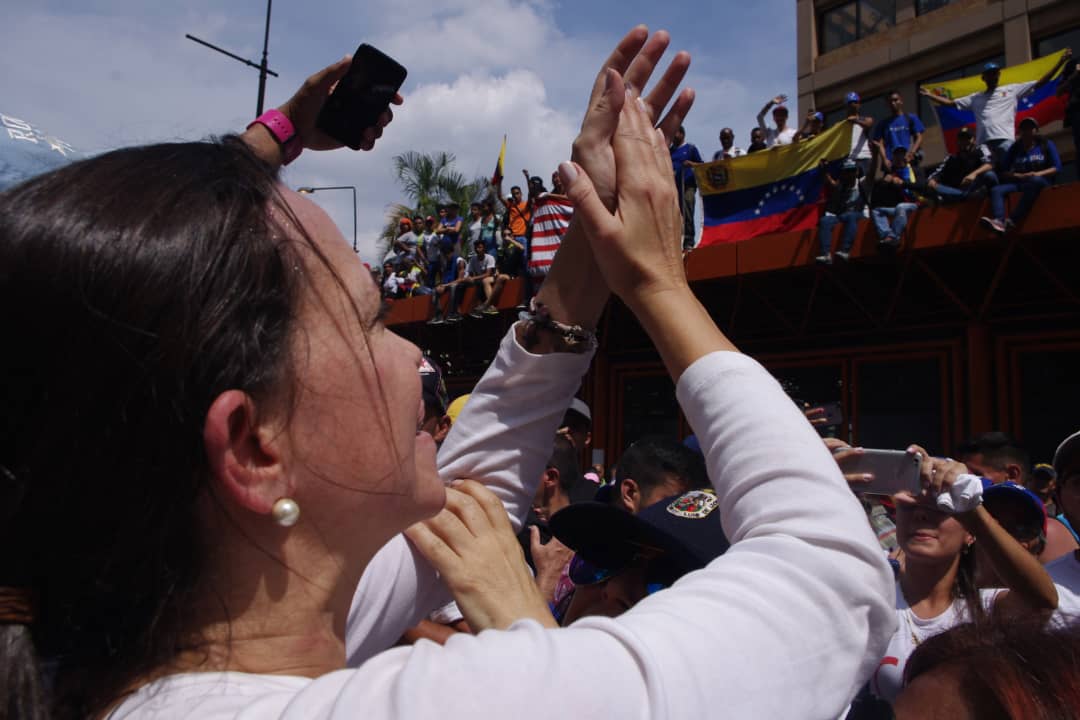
<point x="472" y="546"/>
<point x="630" y="64"/>
<point x="639" y="247"/>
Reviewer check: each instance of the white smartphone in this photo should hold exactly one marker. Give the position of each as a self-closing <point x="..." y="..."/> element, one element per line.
<point x="894" y="471"/>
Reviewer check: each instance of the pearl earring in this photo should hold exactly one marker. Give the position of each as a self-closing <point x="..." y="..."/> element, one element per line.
<point x="286" y="512"/>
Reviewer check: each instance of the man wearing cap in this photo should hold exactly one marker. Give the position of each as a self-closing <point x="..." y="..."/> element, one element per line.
<point x="995" y="107"/>
<point x="894" y="198"/>
<point x="781" y="134"/>
<point x="900" y="129"/>
<point x="727" y="150"/>
<point x="967" y="171"/>
<point x="1066" y="570"/>
<point x="862" y="127"/>
<point x="1028" y="167"/>
<point x="621" y="558"/>
<point x="812" y="127"/>
<point x="847" y="197"/>
<point x="683" y="158"/>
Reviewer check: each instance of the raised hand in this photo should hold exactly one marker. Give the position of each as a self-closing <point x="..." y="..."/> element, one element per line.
<point x="631" y="64"/>
<point x="304" y="106"/>
<point x="639" y="248"/>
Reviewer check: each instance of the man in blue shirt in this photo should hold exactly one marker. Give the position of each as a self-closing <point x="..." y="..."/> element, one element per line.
<point x="1029" y="166"/>
<point x="900" y="130"/>
<point x="683" y="157"/>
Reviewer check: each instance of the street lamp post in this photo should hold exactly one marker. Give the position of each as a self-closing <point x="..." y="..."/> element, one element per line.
<point x="312" y="190"/>
<point x="263" y="69"/>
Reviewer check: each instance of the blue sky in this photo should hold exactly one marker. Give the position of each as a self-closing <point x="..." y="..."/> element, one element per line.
<point x="106" y="73"/>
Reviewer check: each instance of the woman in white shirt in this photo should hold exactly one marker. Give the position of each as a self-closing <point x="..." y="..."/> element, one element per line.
<point x="210" y="440"/>
<point x="936" y="587"/>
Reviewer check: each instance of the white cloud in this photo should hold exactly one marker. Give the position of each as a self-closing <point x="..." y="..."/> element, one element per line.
<point x="468" y="118"/>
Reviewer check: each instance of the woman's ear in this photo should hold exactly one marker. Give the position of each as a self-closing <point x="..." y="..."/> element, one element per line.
<point x="245" y="461"/>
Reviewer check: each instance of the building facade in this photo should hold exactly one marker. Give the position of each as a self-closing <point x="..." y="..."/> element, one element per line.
<point x="875" y="46"/>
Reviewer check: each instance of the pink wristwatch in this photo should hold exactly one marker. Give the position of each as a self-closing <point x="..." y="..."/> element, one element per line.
<point x="283" y="131"/>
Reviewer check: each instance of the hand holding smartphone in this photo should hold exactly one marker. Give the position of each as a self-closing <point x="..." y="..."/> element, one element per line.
<point x="361" y="96"/>
<point x="892" y="471"/>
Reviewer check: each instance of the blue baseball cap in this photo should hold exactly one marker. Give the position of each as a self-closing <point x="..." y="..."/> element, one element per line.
<point x="684" y="529"/>
<point x="995" y="497"/>
<point x="991" y="67"/>
<point x="852" y="97"/>
<point x="819" y="116"/>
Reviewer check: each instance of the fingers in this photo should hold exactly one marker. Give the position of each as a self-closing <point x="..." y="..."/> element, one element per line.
<point x="534" y="539"/>
<point x="329" y="75"/>
<point x="441" y="556"/>
<point x="589" y="209"/>
<point x="675" y="116"/>
<point x="668" y="84"/>
<point x="602" y="117"/>
<point x="492" y="507"/>
<point x="620" y="59"/>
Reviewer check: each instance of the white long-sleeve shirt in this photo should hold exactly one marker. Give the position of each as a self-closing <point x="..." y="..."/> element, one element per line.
<point x="788" y="623"/>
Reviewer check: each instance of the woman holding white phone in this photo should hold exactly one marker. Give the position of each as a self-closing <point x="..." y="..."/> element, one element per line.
<point x="935" y="588"/>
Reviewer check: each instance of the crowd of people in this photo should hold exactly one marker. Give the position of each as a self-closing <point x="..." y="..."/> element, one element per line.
<point x="504" y="237"/>
<point x="231" y="491"/>
<point x="883" y="178"/>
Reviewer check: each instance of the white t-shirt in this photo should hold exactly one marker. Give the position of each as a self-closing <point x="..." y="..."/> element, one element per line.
<point x="860" y="142"/>
<point x="784" y="137"/>
<point x="479" y="266"/>
<point x="1065" y="572"/>
<point x="912" y="630"/>
<point x="798" y="609"/>
<point x="995" y="113"/>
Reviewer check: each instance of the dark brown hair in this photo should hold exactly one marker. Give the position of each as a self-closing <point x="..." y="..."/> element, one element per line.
<point x="137" y="286"/>
<point x="1013" y="669"/>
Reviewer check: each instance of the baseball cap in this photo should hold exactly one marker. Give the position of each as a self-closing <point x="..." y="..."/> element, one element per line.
<point x="1066" y="453"/>
<point x="433" y="386"/>
<point x="455" y="407"/>
<point x="852" y="97"/>
<point x="405" y="221"/>
<point x="578" y="405"/>
<point x="819" y="116"/>
<point x="684" y="528"/>
<point x="966" y="131"/>
<point x="849" y="164"/>
<point x="997" y="497"/>
<point x="1029" y="121"/>
<point x="429" y="218"/>
<point x="991" y="67"/>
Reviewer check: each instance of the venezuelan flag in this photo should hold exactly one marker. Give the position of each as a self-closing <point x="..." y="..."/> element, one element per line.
<point x="1042" y="103"/>
<point x="774" y="190"/>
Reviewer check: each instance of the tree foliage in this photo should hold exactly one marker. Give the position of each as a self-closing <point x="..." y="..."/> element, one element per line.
<point x="428" y="181"/>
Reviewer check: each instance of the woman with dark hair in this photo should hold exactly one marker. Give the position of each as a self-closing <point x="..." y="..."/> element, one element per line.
<point x="1015" y="670"/>
<point x="936" y="589"/>
<point x="210" y="452"/>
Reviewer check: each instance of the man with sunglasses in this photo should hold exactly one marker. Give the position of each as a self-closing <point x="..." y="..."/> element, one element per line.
<point x="621" y="558"/>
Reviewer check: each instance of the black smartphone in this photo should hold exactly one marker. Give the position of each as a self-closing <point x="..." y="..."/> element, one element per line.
<point x="361" y="96"/>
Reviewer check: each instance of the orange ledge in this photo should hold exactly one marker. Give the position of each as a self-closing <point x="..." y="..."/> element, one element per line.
<point x="1056" y="210"/>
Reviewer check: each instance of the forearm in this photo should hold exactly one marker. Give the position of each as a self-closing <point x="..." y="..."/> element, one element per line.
<point x="574" y="290"/>
<point x="679" y="343"/>
<point x="917" y="144"/>
<point x="264" y="145"/>
<point x="1018" y="569"/>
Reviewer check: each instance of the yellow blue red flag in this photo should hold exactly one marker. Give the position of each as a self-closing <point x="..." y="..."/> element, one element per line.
<point x="769" y="191"/>
<point x="1041" y="103"/>
<point x="498" y="176"/>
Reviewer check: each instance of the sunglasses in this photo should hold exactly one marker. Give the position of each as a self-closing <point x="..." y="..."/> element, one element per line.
<point x="583" y="572"/>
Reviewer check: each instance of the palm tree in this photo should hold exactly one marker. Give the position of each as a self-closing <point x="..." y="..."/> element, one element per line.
<point x="428" y="181"/>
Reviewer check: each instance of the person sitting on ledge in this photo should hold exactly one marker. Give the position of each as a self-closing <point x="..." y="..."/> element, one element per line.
<point x="847" y="198"/>
<point x="966" y="172"/>
<point x="1029" y="166"/>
